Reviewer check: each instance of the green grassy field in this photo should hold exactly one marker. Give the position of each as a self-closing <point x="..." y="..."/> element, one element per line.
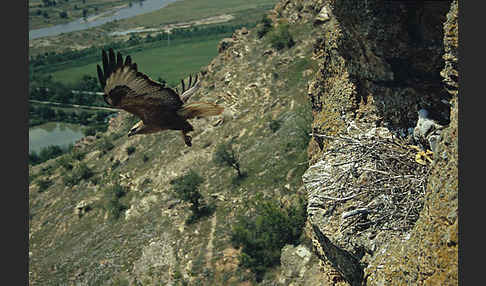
<point x="170" y="63"/>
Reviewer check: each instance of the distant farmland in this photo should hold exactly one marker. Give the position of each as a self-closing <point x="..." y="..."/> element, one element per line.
<point x="171" y="63"/>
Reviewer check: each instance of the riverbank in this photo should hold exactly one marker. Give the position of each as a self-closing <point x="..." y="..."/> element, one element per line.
<point x="44" y="14"/>
<point x="168" y="28"/>
<point x="116" y="13"/>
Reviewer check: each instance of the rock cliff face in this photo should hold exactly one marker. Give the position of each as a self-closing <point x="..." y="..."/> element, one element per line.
<point x="381" y="215"/>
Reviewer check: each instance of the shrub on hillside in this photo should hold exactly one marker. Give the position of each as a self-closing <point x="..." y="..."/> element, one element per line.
<point x="77" y="154"/>
<point x="303" y="123"/>
<point x="265" y="231"/>
<point x="225" y="155"/>
<point x="186" y="188"/>
<point x="66" y="162"/>
<point x="145" y="158"/>
<point x="281" y="38"/>
<point x="274" y="125"/>
<point x="264" y="27"/>
<point x="112" y="200"/>
<point x="45" y="154"/>
<point x="79" y="173"/>
<point x="90" y="131"/>
<point x="130" y="150"/>
<point x="43" y="184"/>
<point x="33" y="158"/>
<point x="106" y="145"/>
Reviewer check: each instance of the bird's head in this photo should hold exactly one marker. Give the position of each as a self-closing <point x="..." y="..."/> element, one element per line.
<point x="136" y="128"/>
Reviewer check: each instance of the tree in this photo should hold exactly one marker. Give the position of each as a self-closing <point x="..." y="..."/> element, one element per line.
<point x="34" y="158"/>
<point x="226" y="156"/>
<point x="61" y="115"/>
<point x="63" y="14"/>
<point x="84" y="117"/>
<point x="186" y="188"/>
<point x="46" y="112"/>
<point x="88" y="83"/>
<point x="90" y="131"/>
<point x="59" y="92"/>
<point x="50" y="152"/>
<point x="134" y="39"/>
<point x="101" y="115"/>
<point x="48" y="3"/>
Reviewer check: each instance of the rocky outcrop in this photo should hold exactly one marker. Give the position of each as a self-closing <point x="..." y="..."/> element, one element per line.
<point x="225" y="44"/>
<point x="87" y="140"/>
<point x="430" y="256"/>
<point x="157" y="264"/>
<point x="381" y="75"/>
<point x="298" y="267"/>
<point x="81" y="208"/>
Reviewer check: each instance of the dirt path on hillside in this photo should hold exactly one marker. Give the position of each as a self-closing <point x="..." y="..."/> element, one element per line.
<point x="209" y="254"/>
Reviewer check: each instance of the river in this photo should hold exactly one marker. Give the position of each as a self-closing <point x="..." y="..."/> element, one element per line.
<point x="100" y="19"/>
<point x="54" y="133"/>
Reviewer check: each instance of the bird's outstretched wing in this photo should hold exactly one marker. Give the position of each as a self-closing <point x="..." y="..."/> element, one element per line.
<point x="188" y="91"/>
<point x="128" y="89"/>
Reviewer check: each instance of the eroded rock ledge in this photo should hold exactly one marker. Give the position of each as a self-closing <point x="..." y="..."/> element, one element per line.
<point x="384" y="212"/>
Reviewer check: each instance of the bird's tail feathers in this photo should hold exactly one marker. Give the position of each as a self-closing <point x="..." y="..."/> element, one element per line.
<point x="200" y="109"/>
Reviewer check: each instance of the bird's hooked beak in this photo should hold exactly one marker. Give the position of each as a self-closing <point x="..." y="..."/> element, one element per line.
<point x="134" y="130"/>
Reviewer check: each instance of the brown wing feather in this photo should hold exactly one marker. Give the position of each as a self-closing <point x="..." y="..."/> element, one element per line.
<point x="128" y="89"/>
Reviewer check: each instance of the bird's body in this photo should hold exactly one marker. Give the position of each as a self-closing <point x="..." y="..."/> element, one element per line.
<point x="159" y="107"/>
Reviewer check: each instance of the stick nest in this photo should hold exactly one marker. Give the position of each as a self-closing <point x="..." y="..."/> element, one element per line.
<point x="375" y="183"/>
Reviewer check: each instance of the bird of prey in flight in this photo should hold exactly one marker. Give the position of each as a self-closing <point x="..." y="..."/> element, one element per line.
<point x="159" y="107"/>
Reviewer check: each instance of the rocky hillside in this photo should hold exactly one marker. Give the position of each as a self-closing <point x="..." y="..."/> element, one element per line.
<point x="373" y="86"/>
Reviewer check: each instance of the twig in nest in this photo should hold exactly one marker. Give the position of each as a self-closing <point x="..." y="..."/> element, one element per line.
<point x="340" y="199"/>
<point x="355" y="212"/>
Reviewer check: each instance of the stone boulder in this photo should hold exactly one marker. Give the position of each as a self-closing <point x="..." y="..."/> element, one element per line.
<point x="81" y="208"/>
<point x="224" y="44"/>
